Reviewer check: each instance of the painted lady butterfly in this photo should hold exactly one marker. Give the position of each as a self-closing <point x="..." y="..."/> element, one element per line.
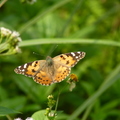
<point x="51" y="70"/>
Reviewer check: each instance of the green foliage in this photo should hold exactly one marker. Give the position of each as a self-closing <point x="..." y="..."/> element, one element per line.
<point x="52" y="27"/>
<point x="40" y="115"/>
<point x="6" y="111"/>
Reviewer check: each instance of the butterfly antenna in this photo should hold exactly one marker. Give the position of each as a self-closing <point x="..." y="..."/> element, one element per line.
<point x="52" y="49"/>
<point x="38" y="54"/>
<point x="35" y="53"/>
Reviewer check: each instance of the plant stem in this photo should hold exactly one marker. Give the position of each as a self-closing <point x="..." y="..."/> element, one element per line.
<point x="68" y="41"/>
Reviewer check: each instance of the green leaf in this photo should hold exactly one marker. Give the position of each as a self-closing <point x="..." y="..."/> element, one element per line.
<point x="40" y="115"/>
<point x="5" y="111"/>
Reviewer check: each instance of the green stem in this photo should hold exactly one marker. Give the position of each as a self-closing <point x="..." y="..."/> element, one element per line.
<point x="84" y="117"/>
<point x="68" y="41"/>
<point x="57" y="102"/>
<point x="2" y="3"/>
<point x="9" y="118"/>
<point x="3" y="47"/>
<point x="59" y="92"/>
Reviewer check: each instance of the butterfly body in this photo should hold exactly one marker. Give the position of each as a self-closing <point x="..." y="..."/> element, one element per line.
<point x="51" y="70"/>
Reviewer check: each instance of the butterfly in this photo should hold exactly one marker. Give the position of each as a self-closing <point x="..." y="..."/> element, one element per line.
<point x="51" y="70"/>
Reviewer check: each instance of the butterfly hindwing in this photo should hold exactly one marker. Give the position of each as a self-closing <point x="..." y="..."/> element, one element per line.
<point x="61" y="73"/>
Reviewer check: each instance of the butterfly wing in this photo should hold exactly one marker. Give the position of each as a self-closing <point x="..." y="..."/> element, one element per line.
<point x="37" y="70"/>
<point x="61" y="73"/>
<point x="45" y="74"/>
<point x="69" y="59"/>
<point x="30" y="69"/>
<point x="64" y="62"/>
<point x="43" y="78"/>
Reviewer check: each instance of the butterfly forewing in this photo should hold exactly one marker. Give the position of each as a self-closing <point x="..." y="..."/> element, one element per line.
<point x="30" y="69"/>
<point x="70" y="59"/>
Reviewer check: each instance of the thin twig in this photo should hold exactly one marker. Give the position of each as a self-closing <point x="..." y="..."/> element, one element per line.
<point x="3" y="2"/>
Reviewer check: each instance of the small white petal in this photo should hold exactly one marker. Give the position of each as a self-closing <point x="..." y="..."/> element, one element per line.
<point x="15" y="34"/>
<point x="17" y="119"/>
<point x="29" y="118"/>
<point x="5" y="31"/>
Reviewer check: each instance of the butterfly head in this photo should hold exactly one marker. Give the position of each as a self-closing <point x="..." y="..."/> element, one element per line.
<point x="49" y="61"/>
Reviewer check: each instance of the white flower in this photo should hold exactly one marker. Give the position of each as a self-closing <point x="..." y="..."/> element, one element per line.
<point x="19" y="39"/>
<point x="11" y="40"/>
<point x="51" y="114"/>
<point x="29" y="118"/>
<point x="31" y="1"/>
<point x="50" y="97"/>
<point x="17" y="49"/>
<point x="5" y="32"/>
<point x="15" y="34"/>
<point x="17" y="119"/>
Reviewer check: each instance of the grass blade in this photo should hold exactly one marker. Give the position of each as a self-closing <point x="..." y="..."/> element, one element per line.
<point x="70" y="41"/>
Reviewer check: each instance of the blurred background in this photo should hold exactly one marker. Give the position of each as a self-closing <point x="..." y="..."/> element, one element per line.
<point x="70" y="19"/>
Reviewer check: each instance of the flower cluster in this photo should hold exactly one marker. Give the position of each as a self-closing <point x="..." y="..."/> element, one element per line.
<point x="9" y="41"/>
<point x="72" y="81"/>
<point x="49" y="112"/>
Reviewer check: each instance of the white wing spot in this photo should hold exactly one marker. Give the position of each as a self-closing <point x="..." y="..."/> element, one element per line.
<point x="23" y="70"/>
<point x="77" y="57"/>
<point x="73" y="53"/>
<point x="78" y="52"/>
<point x="25" y="65"/>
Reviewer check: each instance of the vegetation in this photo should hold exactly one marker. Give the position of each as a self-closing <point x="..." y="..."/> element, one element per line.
<point x="52" y="27"/>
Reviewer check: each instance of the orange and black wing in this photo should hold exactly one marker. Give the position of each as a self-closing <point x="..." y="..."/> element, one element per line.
<point x="30" y="69"/>
<point x="69" y="59"/>
<point x="61" y="73"/>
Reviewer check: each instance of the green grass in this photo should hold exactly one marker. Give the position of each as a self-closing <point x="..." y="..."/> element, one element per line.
<point x="69" y="41"/>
